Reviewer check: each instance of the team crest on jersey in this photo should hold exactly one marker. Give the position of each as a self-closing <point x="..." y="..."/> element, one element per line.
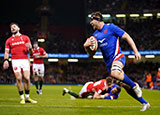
<point x="21" y="38"/>
<point x="105" y="31"/>
<point x="15" y="68"/>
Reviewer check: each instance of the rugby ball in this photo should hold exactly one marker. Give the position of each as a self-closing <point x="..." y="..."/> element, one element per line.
<point x="95" y="45"/>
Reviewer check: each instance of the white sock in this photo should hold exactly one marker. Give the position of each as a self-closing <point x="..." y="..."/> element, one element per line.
<point x="66" y="90"/>
<point x="27" y="96"/>
<point x="22" y="96"/>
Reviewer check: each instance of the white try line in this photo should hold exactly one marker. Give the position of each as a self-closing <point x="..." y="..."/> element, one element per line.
<point x="69" y="106"/>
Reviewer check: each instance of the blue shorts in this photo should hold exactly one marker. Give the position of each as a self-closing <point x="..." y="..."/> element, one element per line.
<point x="119" y="57"/>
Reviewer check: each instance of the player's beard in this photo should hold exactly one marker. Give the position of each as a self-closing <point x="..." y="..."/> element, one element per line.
<point x="15" y="32"/>
<point x="94" y="26"/>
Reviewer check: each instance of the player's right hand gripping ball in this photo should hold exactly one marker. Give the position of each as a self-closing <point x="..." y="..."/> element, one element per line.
<point x="94" y="45"/>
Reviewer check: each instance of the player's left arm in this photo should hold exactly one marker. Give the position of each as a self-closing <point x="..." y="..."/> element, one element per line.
<point x="122" y="34"/>
<point x="29" y="45"/>
<point x="29" y="59"/>
<point x="44" y="54"/>
<point x="109" y="96"/>
<point x="96" y="96"/>
<point x="130" y="41"/>
<point x="105" y="88"/>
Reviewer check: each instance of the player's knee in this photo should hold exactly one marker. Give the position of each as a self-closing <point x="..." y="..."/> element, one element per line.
<point x="35" y="73"/>
<point x="41" y="75"/>
<point x="41" y="78"/>
<point x="27" y="78"/>
<point x="115" y="73"/>
<point x="35" y="78"/>
<point x="19" y="79"/>
<point x="116" y="70"/>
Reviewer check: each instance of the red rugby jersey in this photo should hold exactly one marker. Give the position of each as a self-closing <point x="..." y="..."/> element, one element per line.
<point x="89" y="87"/>
<point x="38" y="52"/>
<point x="99" y="85"/>
<point x="17" y="46"/>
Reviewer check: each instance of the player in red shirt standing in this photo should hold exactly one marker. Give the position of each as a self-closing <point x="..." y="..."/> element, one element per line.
<point x="19" y="45"/>
<point x="38" y="65"/>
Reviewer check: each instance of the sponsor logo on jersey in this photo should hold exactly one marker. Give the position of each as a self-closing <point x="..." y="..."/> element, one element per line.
<point x="104" y="44"/>
<point x="101" y="41"/>
<point x="17" y="43"/>
<point x="36" y="54"/>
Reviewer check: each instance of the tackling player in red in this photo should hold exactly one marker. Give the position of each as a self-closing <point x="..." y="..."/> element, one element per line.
<point x="19" y="45"/>
<point x="106" y="89"/>
<point x="95" y="89"/>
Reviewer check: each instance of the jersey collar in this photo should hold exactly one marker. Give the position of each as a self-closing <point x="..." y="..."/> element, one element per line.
<point x="105" y="84"/>
<point x="18" y="34"/>
<point x="102" y="27"/>
<point x="37" y="48"/>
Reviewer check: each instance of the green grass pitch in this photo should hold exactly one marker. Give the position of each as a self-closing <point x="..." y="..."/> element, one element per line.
<point x="53" y="103"/>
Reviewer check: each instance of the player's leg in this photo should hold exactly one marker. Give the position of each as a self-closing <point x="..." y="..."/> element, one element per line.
<point x="41" y="75"/>
<point x="26" y="74"/>
<point x="86" y="89"/>
<point x="117" y="72"/>
<point x="40" y="83"/>
<point x="18" y="75"/>
<point x="65" y="90"/>
<point x="148" y="84"/>
<point x="35" y="77"/>
<point x="36" y="83"/>
<point x="83" y="91"/>
<point x="145" y="104"/>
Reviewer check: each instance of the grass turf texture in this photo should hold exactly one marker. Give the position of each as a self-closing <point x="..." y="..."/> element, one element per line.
<point x="53" y="103"/>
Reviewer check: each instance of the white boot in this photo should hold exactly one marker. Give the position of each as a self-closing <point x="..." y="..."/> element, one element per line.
<point x="137" y="90"/>
<point x="65" y="90"/>
<point x="145" y="107"/>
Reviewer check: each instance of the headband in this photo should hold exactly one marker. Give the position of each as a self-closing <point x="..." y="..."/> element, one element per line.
<point x="95" y="18"/>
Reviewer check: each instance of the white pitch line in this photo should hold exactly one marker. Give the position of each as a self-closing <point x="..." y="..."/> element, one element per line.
<point x="8" y="99"/>
<point x="62" y="106"/>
